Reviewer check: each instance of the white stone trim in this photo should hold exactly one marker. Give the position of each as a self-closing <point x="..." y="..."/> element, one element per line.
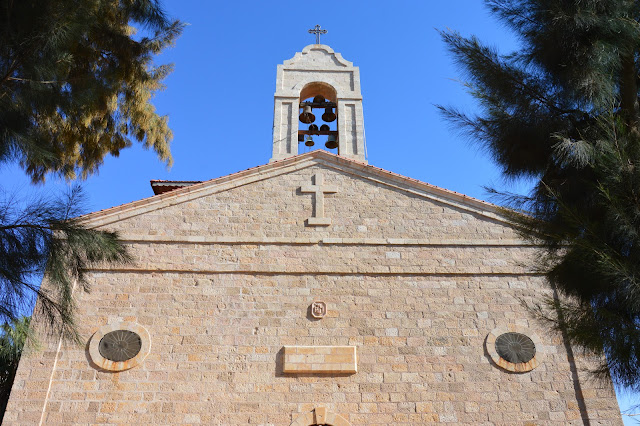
<point x="109" y="365"/>
<point x="522" y="367"/>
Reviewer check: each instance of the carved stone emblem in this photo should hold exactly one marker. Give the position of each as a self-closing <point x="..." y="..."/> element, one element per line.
<point x="318" y="189"/>
<point x="318" y="309"/>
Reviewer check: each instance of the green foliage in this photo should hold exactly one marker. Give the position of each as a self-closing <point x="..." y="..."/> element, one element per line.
<point x="76" y="84"/>
<point x="45" y="239"/>
<point x="589" y="227"/>
<point x="564" y="109"/>
<point x="13" y="337"/>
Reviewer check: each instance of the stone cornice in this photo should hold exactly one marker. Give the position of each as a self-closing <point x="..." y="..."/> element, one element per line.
<point x="205" y="239"/>
<point x="232" y="269"/>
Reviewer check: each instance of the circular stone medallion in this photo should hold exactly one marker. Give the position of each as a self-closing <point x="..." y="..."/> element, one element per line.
<point x="514" y="348"/>
<point x="119" y="346"/>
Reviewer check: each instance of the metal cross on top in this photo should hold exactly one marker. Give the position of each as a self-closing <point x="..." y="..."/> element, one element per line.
<point x="317" y="31"/>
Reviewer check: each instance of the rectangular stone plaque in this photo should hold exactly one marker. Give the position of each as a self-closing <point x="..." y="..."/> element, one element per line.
<point x="320" y="359"/>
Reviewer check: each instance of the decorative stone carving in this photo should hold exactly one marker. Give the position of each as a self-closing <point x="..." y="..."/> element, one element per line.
<point x="97" y="353"/>
<point x="318" y="189"/>
<point x="528" y="338"/>
<point x="320" y="416"/>
<point x="318" y="309"/>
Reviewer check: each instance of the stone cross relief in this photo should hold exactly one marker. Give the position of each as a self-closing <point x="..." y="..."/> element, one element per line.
<point x="318" y="189"/>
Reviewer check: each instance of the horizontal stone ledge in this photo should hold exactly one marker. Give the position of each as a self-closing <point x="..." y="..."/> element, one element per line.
<point x="201" y="239"/>
<point x="319" y="360"/>
<point x="312" y="272"/>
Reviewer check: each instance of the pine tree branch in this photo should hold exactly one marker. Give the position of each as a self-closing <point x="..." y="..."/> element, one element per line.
<point x="40" y="81"/>
<point x="76" y="86"/>
<point x="564" y="108"/>
<point x="463" y="48"/>
<point x="7" y="76"/>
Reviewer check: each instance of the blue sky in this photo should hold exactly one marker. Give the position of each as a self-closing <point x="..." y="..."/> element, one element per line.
<point x="219" y="98"/>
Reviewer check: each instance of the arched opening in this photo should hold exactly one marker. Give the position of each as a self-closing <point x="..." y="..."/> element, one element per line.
<point x="319" y="88"/>
<point x="318" y="127"/>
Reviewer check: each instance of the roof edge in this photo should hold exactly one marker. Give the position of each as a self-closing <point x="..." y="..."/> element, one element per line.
<point x="197" y="186"/>
<point x="162" y="186"/>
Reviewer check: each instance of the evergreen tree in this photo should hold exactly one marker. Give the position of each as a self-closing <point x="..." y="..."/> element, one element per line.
<point x="76" y="83"/>
<point x="44" y="239"/>
<point x="564" y="110"/>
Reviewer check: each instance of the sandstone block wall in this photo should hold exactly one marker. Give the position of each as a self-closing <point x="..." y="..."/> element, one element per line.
<point x="224" y="282"/>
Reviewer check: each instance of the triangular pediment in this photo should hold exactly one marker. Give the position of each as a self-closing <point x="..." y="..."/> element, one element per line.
<point x="320" y="158"/>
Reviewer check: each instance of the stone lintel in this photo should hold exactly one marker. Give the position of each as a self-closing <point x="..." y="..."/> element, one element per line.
<point x="320" y="360"/>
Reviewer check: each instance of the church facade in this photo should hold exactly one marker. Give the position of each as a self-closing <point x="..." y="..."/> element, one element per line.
<point x="313" y="290"/>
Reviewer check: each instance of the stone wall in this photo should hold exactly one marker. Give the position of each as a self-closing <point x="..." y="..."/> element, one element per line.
<point x="222" y="283"/>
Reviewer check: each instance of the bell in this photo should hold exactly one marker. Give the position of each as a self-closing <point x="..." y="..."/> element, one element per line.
<point x="300" y="137"/>
<point x="324" y="128"/>
<point x="307" y="116"/>
<point x="318" y="99"/>
<point x="328" y="115"/>
<point x="313" y="128"/>
<point x="331" y="142"/>
<point x="309" y="141"/>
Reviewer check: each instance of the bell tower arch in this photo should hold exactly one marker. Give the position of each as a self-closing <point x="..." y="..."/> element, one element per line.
<point x="317" y="96"/>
